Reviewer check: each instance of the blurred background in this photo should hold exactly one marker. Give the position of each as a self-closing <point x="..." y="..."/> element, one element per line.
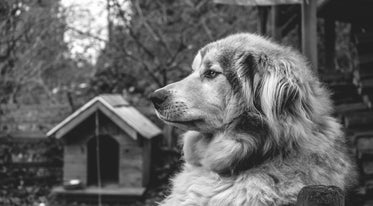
<point x="56" y="56"/>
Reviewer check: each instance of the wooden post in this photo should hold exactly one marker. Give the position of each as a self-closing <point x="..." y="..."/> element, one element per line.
<point x="262" y="20"/>
<point x="320" y="195"/>
<point x="170" y="136"/>
<point x="275" y="28"/>
<point x="329" y="28"/>
<point x="309" y="31"/>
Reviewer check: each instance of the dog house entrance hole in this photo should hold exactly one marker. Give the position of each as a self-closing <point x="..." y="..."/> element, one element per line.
<point x="108" y="160"/>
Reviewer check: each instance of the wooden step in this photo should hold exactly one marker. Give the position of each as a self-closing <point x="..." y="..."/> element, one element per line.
<point x="364" y="48"/>
<point x="344" y="93"/>
<point x="365" y="71"/>
<point x="366" y="58"/>
<point x="364" y="43"/>
<point x="335" y="77"/>
<point x="367" y="100"/>
<point x="364" y="144"/>
<point x="353" y="135"/>
<point x="366" y="83"/>
<point x="345" y="98"/>
<point x="350" y="107"/>
<point x="362" y="120"/>
<point x="369" y="188"/>
<point x="362" y="75"/>
<point x="367" y="167"/>
<point x="364" y="38"/>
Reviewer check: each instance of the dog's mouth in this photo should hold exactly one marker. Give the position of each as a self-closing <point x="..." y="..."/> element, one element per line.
<point x="178" y="118"/>
<point x="183" y="121"/>
<point x="187" y="122"/>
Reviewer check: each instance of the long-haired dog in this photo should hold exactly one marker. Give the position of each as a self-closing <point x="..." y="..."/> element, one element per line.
<point x="260" y="126"/>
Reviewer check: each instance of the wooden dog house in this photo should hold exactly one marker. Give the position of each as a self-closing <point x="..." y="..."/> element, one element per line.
<point x="107" y="147"/>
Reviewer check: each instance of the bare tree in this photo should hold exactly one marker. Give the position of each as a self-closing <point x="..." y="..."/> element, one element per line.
<point x="155" y="40"/>
<point x="33" y="54"/>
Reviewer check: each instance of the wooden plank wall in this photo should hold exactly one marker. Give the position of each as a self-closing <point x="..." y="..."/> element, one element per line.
<point x="75" y="163"/>
<point x="130" y="155"/>
<point x="130" y="166"/>
<point x="130" y="152"/>
<point x="147" y="161"/>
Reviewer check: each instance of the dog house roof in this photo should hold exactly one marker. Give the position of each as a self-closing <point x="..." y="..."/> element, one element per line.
<point x="117" y="109"/>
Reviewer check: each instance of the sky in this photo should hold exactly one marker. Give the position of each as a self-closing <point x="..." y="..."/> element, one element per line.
<point x="87" y="16"/>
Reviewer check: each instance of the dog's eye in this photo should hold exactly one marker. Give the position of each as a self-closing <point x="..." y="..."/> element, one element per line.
<point x="210" y="74"/>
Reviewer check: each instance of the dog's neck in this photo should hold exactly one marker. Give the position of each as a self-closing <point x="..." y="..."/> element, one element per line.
<point x="226" y="153"/>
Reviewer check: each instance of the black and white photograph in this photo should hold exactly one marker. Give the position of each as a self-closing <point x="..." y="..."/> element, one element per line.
<point x="186" y="103"/>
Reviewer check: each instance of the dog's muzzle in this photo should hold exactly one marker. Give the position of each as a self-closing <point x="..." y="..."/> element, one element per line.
<point x="159" y="98"/>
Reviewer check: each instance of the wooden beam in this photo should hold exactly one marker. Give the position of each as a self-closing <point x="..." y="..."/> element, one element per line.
<point x="118" y="121"/>
<point x="309" y="31"/>
<point x="257" y="2"/>
<point x="71" y="124"/>
<point x="274" y="24"/>
<point x="262" y="20"/>
<point x="329" y="28"/>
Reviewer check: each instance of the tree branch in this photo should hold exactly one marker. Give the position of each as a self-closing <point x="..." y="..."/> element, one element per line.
<point x="125" y="52"/>
<point x="157" y="37"/>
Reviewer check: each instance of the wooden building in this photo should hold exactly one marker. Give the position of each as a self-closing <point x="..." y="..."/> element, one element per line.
<point x="275" y="23"/>
<point x="107" y="147"/>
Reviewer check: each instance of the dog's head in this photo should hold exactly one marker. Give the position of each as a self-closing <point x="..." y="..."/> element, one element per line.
<point x="242" y="77"/>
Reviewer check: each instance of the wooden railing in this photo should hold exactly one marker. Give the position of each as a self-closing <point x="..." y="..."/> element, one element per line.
<point x="321" y="195"/>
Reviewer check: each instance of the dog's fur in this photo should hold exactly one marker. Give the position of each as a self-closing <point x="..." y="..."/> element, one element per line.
<point x="260" y="126"/>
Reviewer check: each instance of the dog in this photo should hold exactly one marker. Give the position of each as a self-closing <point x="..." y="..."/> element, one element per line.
<point x="259" y="126"/>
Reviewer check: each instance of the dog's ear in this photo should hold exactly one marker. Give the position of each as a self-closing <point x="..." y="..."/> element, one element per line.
<point x="268" y="85"/>
<point x="248" y="79"/>
<point x="281" y="92"/>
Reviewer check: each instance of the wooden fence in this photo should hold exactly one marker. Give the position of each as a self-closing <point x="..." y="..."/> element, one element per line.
<point x="321" y="195"/>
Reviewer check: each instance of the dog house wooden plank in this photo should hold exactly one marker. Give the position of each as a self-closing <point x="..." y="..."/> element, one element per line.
<point x="130" y="152"/>
<point x="124" y="138"/>
<point x="138" y="121"/>
<point x="130" y="166"/>
<point x="117" y="120"/>
<point x="75" y="163"/>
<point x="74" y="153"/>
<point x="75" y="159"/>
<point x="131" y="177"/>
<point x="115" y="100"/>
<point x="71" y="118"/>
<point x="75" y="170"/>
<point x="68" y="126"/>
<point x="146" y="156"/>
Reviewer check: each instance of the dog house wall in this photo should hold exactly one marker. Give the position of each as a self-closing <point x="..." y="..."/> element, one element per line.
<point x="108" y="116"/>
<point x="133" y="156"/>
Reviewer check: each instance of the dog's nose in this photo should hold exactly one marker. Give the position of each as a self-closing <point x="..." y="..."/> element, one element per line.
<point x="159" y="97"/>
